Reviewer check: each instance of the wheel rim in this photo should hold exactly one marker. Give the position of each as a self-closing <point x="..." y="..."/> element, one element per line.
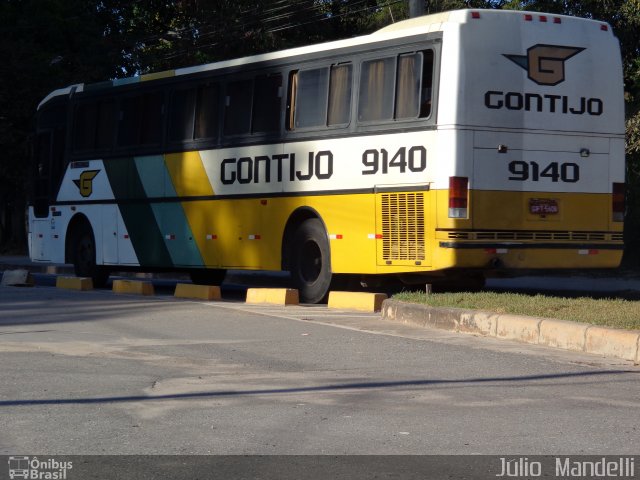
<point x="310" y="261"/>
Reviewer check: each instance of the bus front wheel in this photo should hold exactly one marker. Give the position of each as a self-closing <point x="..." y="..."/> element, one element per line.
<point x="84" y="257"/>
<point x="310" y="261"/>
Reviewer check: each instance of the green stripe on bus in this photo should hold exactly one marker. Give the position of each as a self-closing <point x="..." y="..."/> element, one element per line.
<point x="154" y="176"/>
<point x="178" y="236"/>
<point x="171" y="217"/>
<point x="139" y="219"/>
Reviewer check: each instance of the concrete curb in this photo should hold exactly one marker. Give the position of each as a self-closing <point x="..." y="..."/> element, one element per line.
<point x="17" y="278"/>
<point x="574" y="336"/>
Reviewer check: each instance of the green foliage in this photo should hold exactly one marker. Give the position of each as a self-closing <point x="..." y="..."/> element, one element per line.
<point x="45" y="44"/>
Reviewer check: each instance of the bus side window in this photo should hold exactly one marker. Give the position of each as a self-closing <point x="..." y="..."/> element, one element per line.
<point x="129" y="121"/>
<point x="181" y="115"/>
<point x="93" y="124"/>
<point x="340" y="95"/>
<point x="237" y="111"/>
<point x="311" y="98"/>
<point x="376" y="90"/>
<point x="141" y="120"/>
<point x="426" y="89"/>
<point x="207" y="108"/>
<point x="84" y="126"/>
<point x="106" y="123"/>
<point x="267" y="104"/>
<point x="408" y="86"/>
<point x="152" y="106"/>
<point x="291" y="100"/>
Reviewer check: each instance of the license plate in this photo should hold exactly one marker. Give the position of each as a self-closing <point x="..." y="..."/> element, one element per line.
<point x="543" y="206"/>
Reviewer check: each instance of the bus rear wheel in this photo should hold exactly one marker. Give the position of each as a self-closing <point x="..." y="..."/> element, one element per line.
<point x="84" y="257"/>
<point x="311" y="262"/>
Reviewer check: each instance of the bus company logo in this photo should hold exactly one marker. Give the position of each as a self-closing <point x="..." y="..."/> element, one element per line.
<point x="32" y="468"/>
<point x="545" y="63"/>
<point x="85" y="182"/>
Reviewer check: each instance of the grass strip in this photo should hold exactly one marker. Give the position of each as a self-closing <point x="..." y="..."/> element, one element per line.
<point x="608" y="312"/>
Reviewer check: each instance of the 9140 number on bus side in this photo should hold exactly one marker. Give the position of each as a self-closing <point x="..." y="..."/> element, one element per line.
<point x="379" y="160"/>
<point x="555" y="171"/>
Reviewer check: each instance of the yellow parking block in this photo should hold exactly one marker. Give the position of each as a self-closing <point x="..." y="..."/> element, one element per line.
<point x="133" y="287"/>
<point x="366" y="302"/>
<point x="74" y="283"/>
<point x="199" y="292"/>
<point x="276" y="296"/>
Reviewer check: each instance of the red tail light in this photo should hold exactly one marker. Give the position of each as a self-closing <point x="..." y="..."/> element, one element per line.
<point x="618" y="202"/>
<point x="458" y="197"/>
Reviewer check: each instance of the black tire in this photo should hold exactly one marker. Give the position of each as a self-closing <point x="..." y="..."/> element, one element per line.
<point x="311" y="261"/>
<point x="84" y="257"/>
<point x="208" y="276"/>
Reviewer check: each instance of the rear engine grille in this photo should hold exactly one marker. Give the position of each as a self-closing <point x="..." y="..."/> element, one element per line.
<point x="403" y="226"/>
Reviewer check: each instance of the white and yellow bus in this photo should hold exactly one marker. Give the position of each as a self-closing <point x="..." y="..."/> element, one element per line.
<point x="449" y="144"/>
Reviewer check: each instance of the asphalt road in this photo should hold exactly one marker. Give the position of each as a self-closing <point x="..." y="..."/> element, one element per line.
<point x="98" y="373"/>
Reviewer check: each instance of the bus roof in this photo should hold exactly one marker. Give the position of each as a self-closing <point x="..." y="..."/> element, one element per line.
<point x="405" y="28"/>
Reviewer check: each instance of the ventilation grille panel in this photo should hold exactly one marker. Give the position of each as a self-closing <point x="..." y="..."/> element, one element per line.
<point x="403" y="226"/>
<point x="536" y="235"/>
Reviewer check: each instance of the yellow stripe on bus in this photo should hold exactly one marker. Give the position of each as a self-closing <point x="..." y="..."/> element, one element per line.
<point x="188" y="175"/>
<point x="157" y="75"/>
<point x="190" y="179"/>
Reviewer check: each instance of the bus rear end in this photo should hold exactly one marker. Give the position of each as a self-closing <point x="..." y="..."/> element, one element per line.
<point x="538" y="115"/>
